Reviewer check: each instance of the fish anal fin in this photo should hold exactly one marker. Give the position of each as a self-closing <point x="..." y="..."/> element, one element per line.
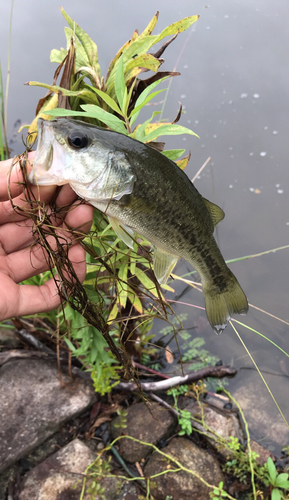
<point x="164" y="263"/>
<point x="216" y="212"/>
<point x="122" y="231"/>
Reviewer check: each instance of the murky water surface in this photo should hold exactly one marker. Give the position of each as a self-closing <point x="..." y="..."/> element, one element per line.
<point x="234" y="90"/>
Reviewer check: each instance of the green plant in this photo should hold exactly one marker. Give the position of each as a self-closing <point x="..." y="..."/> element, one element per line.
<point x="239" y="465"/>
<point x="123" y="419"/>
<point x="218" y="492"/>
<point x="184" y="417"/>
<point x="278" y="483"/>
<point x="119" y="279"/>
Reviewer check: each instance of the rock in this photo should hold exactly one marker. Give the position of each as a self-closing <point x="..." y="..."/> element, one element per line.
<point x="147" y="422"/>
<point x="9" y="338"/>
<point x="33" y="405"/>
<point x="129" y="491"/>
<point x="61" y="475"/>
<point x="262" y="416"/>
<point x="263" y="453"/>
<point x="225" y="424"/>
<point x="183" y="485"/>
<point x="7" y="479"/>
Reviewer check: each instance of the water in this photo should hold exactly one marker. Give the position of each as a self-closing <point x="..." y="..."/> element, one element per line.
<point x="234" y="88"/>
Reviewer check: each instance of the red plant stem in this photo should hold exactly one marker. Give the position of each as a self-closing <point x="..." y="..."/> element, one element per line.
<point x="145" y="368"/>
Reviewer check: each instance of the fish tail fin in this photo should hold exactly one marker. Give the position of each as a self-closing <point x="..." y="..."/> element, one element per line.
<point x="221" y="304"/>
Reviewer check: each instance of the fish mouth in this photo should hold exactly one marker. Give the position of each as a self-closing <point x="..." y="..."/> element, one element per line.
<point x="41" y="170"/>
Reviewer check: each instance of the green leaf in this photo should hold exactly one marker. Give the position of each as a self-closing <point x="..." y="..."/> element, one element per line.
<point x="110" y="120"/>
<point x="177" y="27"/>
<point x="139" y="131"/>
<point x="55" y="88"/>
<point x="276" y="495"/>
<point x="146" y="281"/>
<point x="122" y="284"/>
<point x="142" y="97"/>
<point x="82" y="58"/>
<point x="106" y="98"/>
<point x="282" y="481"/>
<point x="139" y="46"/>
<point x="137" y="109"/>
<point x="281" y="477"/>
<point x="173" y="154"/>
<point x="91" y="111"/>
<point x="57" y="56"/>
<point x="88" y="44"/>
<point x="283" y="484"/>
<point x="167" y="129"/>
<point x="119" y="84"/>
<point x="272" y="470"/>
<point x="70" y="344"/>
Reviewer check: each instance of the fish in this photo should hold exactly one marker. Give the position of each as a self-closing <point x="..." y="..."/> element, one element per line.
<point x="142" y="191"/>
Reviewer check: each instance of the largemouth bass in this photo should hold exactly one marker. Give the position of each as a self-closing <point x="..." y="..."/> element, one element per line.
<point x="141" y="191"/>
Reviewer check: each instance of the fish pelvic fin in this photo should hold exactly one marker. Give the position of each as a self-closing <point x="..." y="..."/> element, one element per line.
<point x="164" y="264"/>
<point x="221" y="305"/>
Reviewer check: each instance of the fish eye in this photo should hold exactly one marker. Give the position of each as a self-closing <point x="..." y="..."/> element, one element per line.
<point x="77" y="140"/>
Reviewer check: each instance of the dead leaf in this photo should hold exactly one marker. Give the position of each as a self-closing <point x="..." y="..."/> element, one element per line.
<point x="169" y="355"/>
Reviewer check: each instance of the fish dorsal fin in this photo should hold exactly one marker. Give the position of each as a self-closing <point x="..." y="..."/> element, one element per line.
<point x="216" y="212"/>
<point x="164" y="263"/>
<point x="122" y="231"/>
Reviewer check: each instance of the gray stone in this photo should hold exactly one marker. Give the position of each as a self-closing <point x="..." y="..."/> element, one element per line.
<point x="147" y="422"/>
<point x="183" y="485"/>
<point x="33" y="405"/>
<point x="61" y="476"/>
<point x="262" y="416"/>
<point x="129" y="491"/>
<point x="222" y="423"/>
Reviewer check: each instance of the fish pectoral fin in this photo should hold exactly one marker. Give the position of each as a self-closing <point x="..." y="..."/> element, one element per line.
<point x="216" y="212"/>
<point x="123" y="232"/>
<point x="164" y="263"/>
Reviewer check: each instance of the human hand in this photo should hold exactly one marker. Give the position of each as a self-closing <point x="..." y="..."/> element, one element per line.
<point x="19" y="260"/>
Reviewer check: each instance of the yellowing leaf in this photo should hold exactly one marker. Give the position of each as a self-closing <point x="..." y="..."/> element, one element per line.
<point x="143" y="61"/>
<point x="135" y="300"/>
<point x="50" y="103"/>
<point x="177" y="27"/>
<point x="154" y="130"/>
<point x="183" y="162"/>
<point x="150" y="27"/>
<point x="113" y="313"/>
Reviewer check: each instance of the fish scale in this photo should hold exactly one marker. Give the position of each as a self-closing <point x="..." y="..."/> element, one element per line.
<point x="142" y="191"/>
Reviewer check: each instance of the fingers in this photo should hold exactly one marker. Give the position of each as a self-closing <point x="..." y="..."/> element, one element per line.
<point x="29" y="299"/>
<point x="29" y="261"/>
<point x="16" y="178"/>
<point x="18" y="236"/>
<point x="45" y="194"/>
